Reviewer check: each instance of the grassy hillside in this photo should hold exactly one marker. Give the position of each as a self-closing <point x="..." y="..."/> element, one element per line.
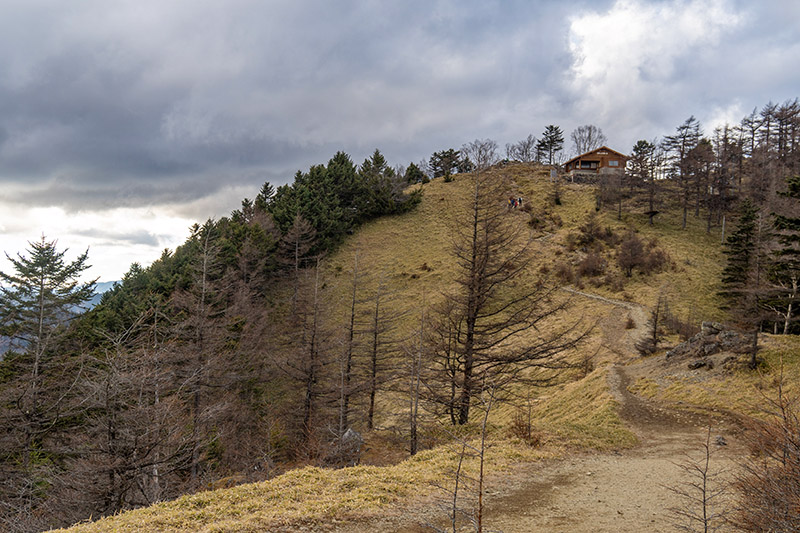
<point x="412" y="251"/>
<point x="411" y="254"/>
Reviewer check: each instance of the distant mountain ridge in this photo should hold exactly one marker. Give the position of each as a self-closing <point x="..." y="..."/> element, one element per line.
<point x="99" y="289"/>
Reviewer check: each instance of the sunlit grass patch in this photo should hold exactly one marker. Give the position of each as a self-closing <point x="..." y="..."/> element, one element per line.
<point x="314" y="495"/>
<point x="584" y="414"/>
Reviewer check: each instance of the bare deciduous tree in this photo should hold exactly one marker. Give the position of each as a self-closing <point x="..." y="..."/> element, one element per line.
<point x="586" y="138"/>
<point x="768" y="488"/>
<point x="523" y="151"/>
<point x="382" y="342"/>
<point x="700" y="494"/>
<point x="491" y="250"/>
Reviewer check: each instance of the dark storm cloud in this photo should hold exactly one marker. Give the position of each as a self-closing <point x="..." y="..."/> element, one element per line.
<point x="101" y="237"/>
<point x="131" y="103"/>
<point x="140" y="103"/>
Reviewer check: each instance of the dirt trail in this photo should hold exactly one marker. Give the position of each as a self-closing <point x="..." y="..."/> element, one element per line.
<point x="620" y="491"/>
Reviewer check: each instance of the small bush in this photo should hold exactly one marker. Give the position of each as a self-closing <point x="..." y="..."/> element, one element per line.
<point x="656" y="260"/>
<point x="592" y="265"/>
<point x="536" y="221"/>
<point x="522" y="428"/>
<point x="769" y="485"/>
<point x="572" y="241"/>
<point x="590" y="232"/>
<point x="614" y="282"/>
<point x="563" y="272"/>
<point x="610" y="237"/>
<point x="631" y="253"/>
<point x="542" y="219"/>
<point x="586" y="364"/>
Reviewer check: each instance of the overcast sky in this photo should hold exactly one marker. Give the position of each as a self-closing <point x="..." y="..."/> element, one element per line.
<point x="122" y="123"/>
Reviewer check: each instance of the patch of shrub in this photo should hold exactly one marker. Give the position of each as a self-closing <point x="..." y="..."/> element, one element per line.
<point x="769" y="482"/>
<point x="542" y="219"/>
<point x="610" y="237"/>
<point x="563" y="272"/>
<point x="536" y="221"/>
<point x="614" y="282"/>
<point x="586" y="364"/>
<point x="631" y="253"/>
<point x="590" y="232"/>
<point x="655" y="260"/>
<point x="522" y="428"/>
<point x="684" y="328"/>
<point x="572" y="241"/>
<point x="592" y="265"/>
<point x="648" y="258"/>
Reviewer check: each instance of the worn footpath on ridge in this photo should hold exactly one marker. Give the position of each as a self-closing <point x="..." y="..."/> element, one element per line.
<point x="619" y="491"/>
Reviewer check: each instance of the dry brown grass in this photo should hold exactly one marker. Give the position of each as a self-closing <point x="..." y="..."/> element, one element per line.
<point x="313" y="495"/>
<point x="581" y="413"/>
<point x="411" y="252"/>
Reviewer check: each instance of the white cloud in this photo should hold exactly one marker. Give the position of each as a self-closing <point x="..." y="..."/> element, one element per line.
<point x="730" y="114"/>
<point x="638" y="57"/>
<point x="115" y="238"/>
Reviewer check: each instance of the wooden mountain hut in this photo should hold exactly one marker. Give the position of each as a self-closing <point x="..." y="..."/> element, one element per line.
<point x="598" y="161"/>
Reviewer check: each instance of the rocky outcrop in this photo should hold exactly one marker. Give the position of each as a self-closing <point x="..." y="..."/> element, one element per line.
<point x="713" y="338"/>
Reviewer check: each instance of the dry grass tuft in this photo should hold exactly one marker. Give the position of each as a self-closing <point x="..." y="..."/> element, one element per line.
<point x="311" y="495"/>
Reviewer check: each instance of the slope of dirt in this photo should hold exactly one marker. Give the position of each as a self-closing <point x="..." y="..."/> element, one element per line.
<point x="619" y="491"/>
<point x="622" y="491"/>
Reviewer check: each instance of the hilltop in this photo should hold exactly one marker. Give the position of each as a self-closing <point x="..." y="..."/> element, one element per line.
<point x="624" y="409"/>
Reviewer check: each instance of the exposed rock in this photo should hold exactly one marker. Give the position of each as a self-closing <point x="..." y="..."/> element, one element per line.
<point x="694" y="365"/>
<point x="721" y="441"/>
<point x="712" y="339"/>
<point x="711" y="328"/>
<point x="346" y="451"/>
<point x="709" y="349"/>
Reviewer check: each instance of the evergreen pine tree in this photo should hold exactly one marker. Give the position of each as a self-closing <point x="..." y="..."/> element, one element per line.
<point x="741" y="277"/>
<point x="785" y="271"/>
<point x="551" y="143"/>
<point x="414" y="174"/>
<point x="42" y="295"/>
<point x="740" y="250"/>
